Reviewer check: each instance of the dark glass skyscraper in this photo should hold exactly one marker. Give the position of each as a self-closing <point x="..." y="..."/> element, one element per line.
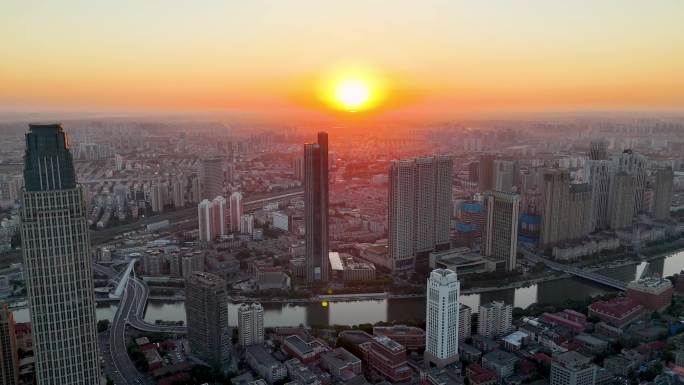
<point x="58" y="268"/>
<point x="316" y="208"/>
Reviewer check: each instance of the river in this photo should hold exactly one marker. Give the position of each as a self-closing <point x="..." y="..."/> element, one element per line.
<point x="371" y="311"/>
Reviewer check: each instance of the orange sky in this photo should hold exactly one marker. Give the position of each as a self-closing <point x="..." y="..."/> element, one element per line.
<point x="435" y="57"/>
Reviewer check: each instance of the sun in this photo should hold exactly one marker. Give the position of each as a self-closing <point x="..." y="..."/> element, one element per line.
<point x="352" y="93"/>
<point x="352" y="88"/>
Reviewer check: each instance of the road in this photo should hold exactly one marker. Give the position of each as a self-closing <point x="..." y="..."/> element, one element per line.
<point x="125" y="372"/>
<point x="137" y="316"/>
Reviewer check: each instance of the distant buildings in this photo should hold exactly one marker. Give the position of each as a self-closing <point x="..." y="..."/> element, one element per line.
<point x="250" y="324"/>
<point x="662" y="193"/>
<point x="635" y="165"/>
<point x="212" y="177"/>
<point x="441" y="320"/>
<point x="236" y="212"/>
<point x="211" y="217"/>
<point x="59" y="288"/>
<point x="572" y="368"/>
<point x="206" y="307"/>
<point x="494" y="319"/>
<point x="500" y="235"/>
<point x="621" y="201"/>
<point x="597" y="174"/>
<point x="505" y="175"/>
<point x="598" y="150"/>
<point x="485" y="173"/>
<point x="579" y="211"/>
<point x="555" y="202"/>
<point x="316" y="209"/>
<point x="9" y="362"/>
<point x="420" y="206"/>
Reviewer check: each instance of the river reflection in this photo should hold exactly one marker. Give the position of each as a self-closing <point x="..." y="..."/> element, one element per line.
<point x="371" y="311"/>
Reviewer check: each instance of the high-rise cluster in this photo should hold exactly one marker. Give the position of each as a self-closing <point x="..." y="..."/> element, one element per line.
<point x="420" y="206"/>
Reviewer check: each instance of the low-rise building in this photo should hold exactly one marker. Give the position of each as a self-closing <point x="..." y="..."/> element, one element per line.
<point x="387" y="358"/>
<point x="263" y="363"/>
<point x="501" y="362"/>
<point x="304" y="351"/>
<point x="341" y="364"/>
<point x="618" y="312"/>
<point x="653" y="293"/>
<point x="572" y="368"/>
<point x="477" y="375"/>
<point x="412" y="338"/>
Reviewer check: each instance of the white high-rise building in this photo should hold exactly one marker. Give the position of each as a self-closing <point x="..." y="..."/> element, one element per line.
<point x="250" y="324"/>
<point x="236" y="211"/>
<point x="494" y="319"/>
<point x="500" y="235"/>
<point x="420" y="207"/>
<point x="156" y="198"/>
<point x="57" y="262"/>
<point x="441" y="318"/>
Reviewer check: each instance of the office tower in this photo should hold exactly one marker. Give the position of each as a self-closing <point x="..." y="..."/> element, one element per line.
<point x="555" y="198"/>
<point x="598" y="150"/>
<point x="465" y="317"/>
<point x="298" y="168"/>
<point x="420" y="207"/>
<point x="205" y="219"/>
<point x="219" y="216"/>
<point x="505" y="175"/>
<point x="485" y="173"/>
<point x="56" y="249"/>
<point x="212" y="177"/>
<point x="9" y="360"/>
<point x="250" y="324"/>
<point x="500" y="235"/>
<point x="156" y="198"/>
<point x="441" y="318"/>
<point x="236" y="211"/>
<point x="579" y="211"/>
<point x="316" y="209"/>
<point x="635" y="165"/>
<point x="494" y="319"/>
<point x="662" y="193"/>
<point x="572" y="368"/>
<point x="206" y="310"/>
<point x="597" y="173"/>
<point x="621" y="202"/>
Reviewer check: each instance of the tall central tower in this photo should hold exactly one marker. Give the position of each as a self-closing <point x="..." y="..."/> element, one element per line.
<point x="56" y="248"/>
<point x="316" y="208"/>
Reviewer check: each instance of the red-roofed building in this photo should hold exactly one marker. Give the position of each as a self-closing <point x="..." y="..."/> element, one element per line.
<point x="653" y="293"/>
<point x="618" y="312"/>
<point x="652" y="350"/>
<point x="412" y="338"/>
<point x="477" y="375"/>
<point x="24" y="335"/>
<point x="568" y="320"/>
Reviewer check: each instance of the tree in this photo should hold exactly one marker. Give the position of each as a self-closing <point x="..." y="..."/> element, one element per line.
<point x="102" y="325"/>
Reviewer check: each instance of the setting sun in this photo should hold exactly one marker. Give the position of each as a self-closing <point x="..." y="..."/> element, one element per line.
<point x="352" y="93"/>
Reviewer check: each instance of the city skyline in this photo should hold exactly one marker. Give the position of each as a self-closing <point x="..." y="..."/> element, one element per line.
<point x="474" y="58"/>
